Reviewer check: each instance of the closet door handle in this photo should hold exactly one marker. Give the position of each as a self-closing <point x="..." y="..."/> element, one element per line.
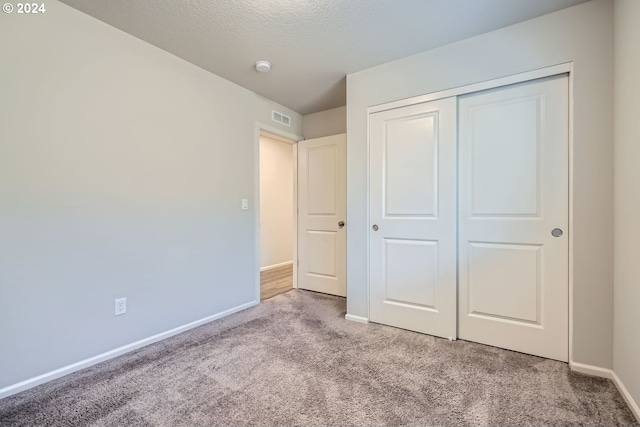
<point x="375" y="227"/>
<point x="341" y="224"/>
<point x="556" y="232"/>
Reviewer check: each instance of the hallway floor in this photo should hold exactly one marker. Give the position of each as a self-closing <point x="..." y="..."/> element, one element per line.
<point x="276" y="281"/>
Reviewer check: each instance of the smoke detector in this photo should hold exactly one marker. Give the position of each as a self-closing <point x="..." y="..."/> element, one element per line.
<point x="263" y="66"/>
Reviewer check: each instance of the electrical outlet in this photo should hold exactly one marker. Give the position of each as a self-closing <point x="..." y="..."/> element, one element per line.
<point x="121" y="306"/>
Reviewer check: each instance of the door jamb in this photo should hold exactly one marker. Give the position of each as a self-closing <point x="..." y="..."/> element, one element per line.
<point x="258" y="128"/>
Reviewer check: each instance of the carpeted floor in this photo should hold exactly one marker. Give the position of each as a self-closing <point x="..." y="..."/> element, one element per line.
<point x="294" y="360"/>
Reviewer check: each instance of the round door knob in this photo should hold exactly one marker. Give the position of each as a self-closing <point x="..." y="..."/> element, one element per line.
<point x="375" y="227"/>
<point x="341" y="224"/>
<point x="556" y="232"/>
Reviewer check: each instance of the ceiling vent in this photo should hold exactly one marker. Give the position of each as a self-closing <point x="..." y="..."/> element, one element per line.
<point x="280" y="118"/>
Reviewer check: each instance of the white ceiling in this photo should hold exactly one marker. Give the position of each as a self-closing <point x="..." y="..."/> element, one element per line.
<point x="312" y="44"/>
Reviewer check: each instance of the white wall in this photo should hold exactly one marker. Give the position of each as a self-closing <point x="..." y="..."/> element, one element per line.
<point x="626" y="334"/>
<point x="325" y="123"/>
<point x="276" y="202"/>
<point x="582" y="35"/>
<point x="122" y="168"/>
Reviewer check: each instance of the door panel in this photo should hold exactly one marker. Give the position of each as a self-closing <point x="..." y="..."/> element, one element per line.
<point x="506" y="176"/>
<point x="513" y="163"/>
<point x="321" y="175"/>
<point x="411" y="158"/>
<point x="519" y="300"/>
<point x="411" y="272"/>
<point x="322" y="252"/>
<point x="322" y="205"/>
<point x="412" y="202"/>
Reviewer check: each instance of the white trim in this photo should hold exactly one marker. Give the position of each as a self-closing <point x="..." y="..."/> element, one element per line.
<point x="274" y="266"/>
<point x="256" y="218"/>
<point x="475" y="87"/>
<point x="633" y="405"/>
<point x="295" y="215"/>
<point x="597" y="371"/>
<point x="368" y="190"/>
<point x="278" y="132"/>
<point x="358" y="319"/>
<point x="65" y="370"/>
<point x="570" y="225"/>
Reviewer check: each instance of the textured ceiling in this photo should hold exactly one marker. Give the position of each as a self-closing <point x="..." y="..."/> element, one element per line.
<point x="312" y="44"/>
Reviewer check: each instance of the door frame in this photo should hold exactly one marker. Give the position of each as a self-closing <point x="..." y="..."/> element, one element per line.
<point x="258" y="129"/>
<point x="565" y="68"/>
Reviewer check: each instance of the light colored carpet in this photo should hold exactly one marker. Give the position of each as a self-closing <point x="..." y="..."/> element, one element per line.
<point x="294" y="360"/>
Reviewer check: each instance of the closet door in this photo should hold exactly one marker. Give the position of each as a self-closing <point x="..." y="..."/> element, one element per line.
<point x="513" y="217"/>
<point x="413" y="217"/>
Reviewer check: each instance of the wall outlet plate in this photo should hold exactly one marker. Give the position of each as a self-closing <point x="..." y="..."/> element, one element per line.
<point x="121" y="306"/>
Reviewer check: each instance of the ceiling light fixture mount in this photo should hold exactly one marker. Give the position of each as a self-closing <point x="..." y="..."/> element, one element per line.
<point x="263" y="66"/>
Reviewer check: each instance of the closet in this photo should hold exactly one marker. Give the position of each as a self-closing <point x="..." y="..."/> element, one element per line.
<point x="469" y="215"/>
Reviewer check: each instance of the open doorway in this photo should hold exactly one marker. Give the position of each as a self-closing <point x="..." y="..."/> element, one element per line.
<point x="277" y="160"/>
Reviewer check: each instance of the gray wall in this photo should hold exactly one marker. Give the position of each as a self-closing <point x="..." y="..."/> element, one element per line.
<point x="582" y="34"/>
<point x="325" y="123"/>
<point x="122" y="168"/>
<point x="626" y="334"/>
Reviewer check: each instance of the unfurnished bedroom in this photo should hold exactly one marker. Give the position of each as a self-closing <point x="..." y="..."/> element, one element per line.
<point x="323" y="213"/>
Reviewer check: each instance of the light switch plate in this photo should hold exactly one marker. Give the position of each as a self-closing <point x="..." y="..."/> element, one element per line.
<point x="245" y="204"/>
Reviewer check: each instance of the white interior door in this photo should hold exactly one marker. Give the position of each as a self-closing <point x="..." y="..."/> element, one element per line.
<point x="322" y="209"/>
<point x="513" y="272"/>
<point x="413" y="217"/>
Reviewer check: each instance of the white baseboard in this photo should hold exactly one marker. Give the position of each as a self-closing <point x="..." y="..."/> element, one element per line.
<point x="65" y="370"/>
<point x="274" y="266"/>
<point x="610" y="374"/>
<point x="358" y="319"/>
<point x="595" y="371"/>
<point x="633" y="405"/>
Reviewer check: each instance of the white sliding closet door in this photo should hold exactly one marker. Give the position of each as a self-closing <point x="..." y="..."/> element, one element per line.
<point x="413" y="217"/>
<point x="513" y="217"/>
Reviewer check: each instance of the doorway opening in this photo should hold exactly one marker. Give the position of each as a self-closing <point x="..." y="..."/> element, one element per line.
<point x="277" y="214"/>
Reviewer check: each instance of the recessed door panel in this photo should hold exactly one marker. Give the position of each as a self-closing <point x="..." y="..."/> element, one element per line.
<point x="411" y="272"/>
<point x="411" y="157"/>
<point x="510" y="271"/>
<point x="322" y="252"/>
<point x="413" y="218"/>
<point x="504" y="141"/>
<point x="322" y="174"/>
